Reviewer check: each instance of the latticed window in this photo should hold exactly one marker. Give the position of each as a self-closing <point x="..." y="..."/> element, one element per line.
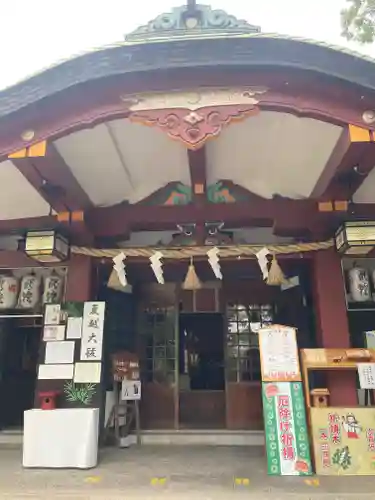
<point x="242" y="344"/>
<point x="157" y="329"/>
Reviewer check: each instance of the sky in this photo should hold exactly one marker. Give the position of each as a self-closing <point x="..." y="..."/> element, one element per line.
<point x="35" y="34"/>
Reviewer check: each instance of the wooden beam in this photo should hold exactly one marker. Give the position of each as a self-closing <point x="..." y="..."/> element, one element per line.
<point x="122" y="218"/>
<point x="291" y="217"/>
<point x="197" y="168"/>
<point x="355" y="149"/>
<point x="51" y="177"/>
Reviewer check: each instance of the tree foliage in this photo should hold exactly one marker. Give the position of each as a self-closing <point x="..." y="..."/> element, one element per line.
<point x="358" y="21"/>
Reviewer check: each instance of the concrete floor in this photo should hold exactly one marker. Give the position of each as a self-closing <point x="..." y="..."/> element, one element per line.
<point x="180" y="473"/>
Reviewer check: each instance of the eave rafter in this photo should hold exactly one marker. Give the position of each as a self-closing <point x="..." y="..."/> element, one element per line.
<point x="45" y="169"/>
<point x="351" y="161"/>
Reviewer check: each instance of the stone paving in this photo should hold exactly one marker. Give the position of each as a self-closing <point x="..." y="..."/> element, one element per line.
<point x="173" y="472"/>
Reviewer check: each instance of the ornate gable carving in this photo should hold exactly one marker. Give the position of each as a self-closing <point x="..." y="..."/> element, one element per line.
<point x="197" y="22"/>
<point x="194" y="117"/>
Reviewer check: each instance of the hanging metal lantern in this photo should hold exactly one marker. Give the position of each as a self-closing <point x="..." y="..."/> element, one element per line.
<point x="359" y="284"/>
<point x="46" y="246"/>
<point x="355" y="237"/>
<point x="8" y="292"/>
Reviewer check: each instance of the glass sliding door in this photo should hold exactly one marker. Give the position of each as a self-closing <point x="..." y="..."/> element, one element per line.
<point x="157" y="338"/>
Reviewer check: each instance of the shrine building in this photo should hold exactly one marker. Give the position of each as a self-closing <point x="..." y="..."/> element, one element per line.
<point x="197" y="132"/>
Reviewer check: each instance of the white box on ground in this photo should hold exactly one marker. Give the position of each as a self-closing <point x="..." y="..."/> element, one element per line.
<point x="61" y="438"/>
<point x="130" y="390"/>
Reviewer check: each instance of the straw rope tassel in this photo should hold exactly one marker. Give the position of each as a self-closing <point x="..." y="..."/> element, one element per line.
<point x="114" y="282"/>
<point x="192" y="281"/>
<point x="275" y="274"/>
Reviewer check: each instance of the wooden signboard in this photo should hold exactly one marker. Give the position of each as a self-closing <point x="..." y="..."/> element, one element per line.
<point x="287" y="441"/>
<point x="343" y="440"/>
<point x="279" y="354"/>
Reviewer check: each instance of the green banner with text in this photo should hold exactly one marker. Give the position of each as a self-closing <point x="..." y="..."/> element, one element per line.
<point x="287" y="441"/>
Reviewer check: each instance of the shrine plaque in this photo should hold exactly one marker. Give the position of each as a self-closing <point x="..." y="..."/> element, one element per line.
<point x="279" y="354"/>
<point x="287" y="440"/>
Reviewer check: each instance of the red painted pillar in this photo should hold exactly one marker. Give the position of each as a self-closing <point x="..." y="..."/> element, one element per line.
<point x="332" y="323"/>
<point x="79" y="283"/>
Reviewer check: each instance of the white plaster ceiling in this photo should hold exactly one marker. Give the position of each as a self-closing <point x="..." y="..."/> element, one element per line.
<point x="366" y="192"/>
<point x="120" y="160"/>
<point x="18" y="198"/>
<point x="273" y="153"/>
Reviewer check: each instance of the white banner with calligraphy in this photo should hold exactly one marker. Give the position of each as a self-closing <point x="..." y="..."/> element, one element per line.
<point x="92" y="331"/>
<point x="279" y="354"/>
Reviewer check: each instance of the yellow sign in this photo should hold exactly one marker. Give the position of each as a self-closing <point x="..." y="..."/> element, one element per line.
<point x="344" y="441"/>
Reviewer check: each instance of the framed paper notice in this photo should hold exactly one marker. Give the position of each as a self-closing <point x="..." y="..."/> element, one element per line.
<point x="366" y="375"/>
<point x="279" y="354"/>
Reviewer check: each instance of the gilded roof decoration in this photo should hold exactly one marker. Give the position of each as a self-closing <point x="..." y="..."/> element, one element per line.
<point x="185" y="21"/>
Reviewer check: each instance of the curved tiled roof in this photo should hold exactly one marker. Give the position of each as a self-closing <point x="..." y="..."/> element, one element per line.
<point x="273" y="36"/>
<point x="166" y="43"/>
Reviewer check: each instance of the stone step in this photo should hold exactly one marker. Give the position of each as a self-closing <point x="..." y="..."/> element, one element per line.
<point x="203" y="437"/>
<point x="171" y="437"/>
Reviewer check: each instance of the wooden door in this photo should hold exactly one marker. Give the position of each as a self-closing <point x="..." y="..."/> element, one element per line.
<point x="157" y="317"/>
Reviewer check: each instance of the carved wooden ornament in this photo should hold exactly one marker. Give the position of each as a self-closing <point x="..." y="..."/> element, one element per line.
<point x="194" y="117"/>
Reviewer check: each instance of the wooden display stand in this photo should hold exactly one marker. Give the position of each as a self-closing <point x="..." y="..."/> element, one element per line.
<point x="343" y="439"/>
<point x="331" y="359"/>
<point x="125" y="368"/>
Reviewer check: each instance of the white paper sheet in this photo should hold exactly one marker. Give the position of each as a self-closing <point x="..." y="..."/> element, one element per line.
<point x="366" y="374"/>
<point x="59" y="352"/>
<point x="55" y="372"/>
<point x="52" y="314"/>
<point x="74" y="328"/>
<point x="86" y="372"/>
<point x="53" y="332"/>
<point x="370" y="339"/>
<point x="279" y="353"/>
<point x="130" y="390"/>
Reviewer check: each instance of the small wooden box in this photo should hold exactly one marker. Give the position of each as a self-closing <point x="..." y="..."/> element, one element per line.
<point x="320" y="398"/>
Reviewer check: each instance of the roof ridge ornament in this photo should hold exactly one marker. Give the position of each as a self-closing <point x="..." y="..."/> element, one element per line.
<point x="191" y="20"/>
